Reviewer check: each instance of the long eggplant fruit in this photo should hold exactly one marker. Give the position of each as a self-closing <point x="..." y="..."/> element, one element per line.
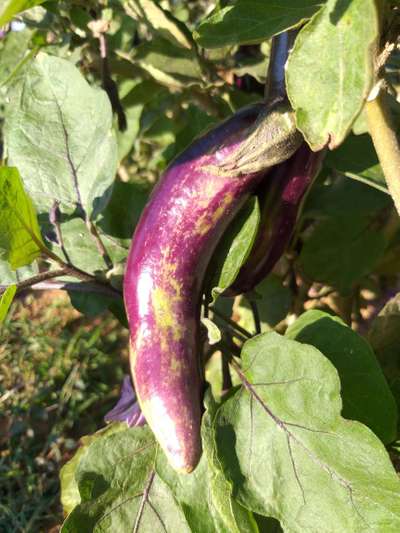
<point x="281" y="200"/>
<point x="191" y="206"/>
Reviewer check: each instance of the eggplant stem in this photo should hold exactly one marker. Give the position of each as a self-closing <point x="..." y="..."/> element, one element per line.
<point x="383" y="133"/>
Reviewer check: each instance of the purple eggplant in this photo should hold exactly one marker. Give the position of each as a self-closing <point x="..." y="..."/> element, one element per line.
<point x="189" y="209"/>
<point x="281" y="198"/>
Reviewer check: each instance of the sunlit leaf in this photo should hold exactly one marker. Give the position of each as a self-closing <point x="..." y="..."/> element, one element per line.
<point x="282" y="444"/>
<point x="20" y="238"/>
<point x="330" y="70"/>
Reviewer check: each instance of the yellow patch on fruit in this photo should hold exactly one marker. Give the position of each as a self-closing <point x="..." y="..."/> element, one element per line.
<point x="205" y="223"/>
<point x="165" y="315"/>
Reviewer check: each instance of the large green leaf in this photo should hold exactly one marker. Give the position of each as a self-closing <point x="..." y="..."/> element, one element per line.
<point x="357" y="159"/>
<point x="282" y="444"/>
<point x="253" y="21"/>
<point x="340" y="251"/>
<point x="330" y="70"/>
<point x="20" y="238"/>
<point x="10" y="8"/>
<point x="344" y="198"/>
<point x="70" y="496"/>
<point x="58" y="133"/>
<point x="365" y="392"/>
<point x="234" y="517"/>
<point x="124" y="483"/>
<point x="234" y="247"/>
<point x="113" y="500"/>
<point x="82" y="249"/>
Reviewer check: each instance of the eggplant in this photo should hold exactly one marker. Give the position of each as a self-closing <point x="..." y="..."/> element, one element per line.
<point x="188" y="211"/>
<point x="281" y="199"/>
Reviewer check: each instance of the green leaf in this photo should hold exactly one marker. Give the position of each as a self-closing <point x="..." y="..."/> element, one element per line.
<point x="228" y="513"/>
<point x="365" y="392"/>
<point x="282" y="444"/>
<point x="9" y="277"/>
<point x="120" y="481"/>
<point x="213" y="331"/>
<point x="123" y="211"/>
<point x="273" y="304"/>
<point x="58" y="133"/>
<point x="70" y="496"/>
<point x="113" y="500"/>
<point x="234" y="247"/>
<point x="340" y="251"/>
<point x="252" y="21"/>
<point x="6" y="300"/>
<point x="344" y="198"/>
<point x="90" y="304"/>
<point x="120" y="488"/>
<point x="160" y="20"/>
<point x="191" y="492"/>
<point x="330" y="70"/>
<point x="20" y="238"/>
<point x="168" y="64"/>
<point x="357" y="159"/>
<point x="82" y="249"/>
<point x="13" y="51"/>
<point x="384" y="337"/>
<point x="10" y="8"/>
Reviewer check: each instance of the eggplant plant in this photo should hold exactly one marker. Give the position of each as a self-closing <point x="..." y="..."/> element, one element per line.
<point x="222" y="180"/>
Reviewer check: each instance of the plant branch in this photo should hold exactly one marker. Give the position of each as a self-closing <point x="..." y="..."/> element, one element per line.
<point x="231" y="323"/>
<point x="43" y="281"/>
<point x="99" y="243"/>
<point x="54" y="217"/>
<point x="35" y="279"/>
<point x="386" y="144"/>
<point x="256" y="315"/>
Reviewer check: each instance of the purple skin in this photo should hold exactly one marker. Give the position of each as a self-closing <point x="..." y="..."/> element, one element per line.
<point x="127" y="408"/>
<point x="178" y="231"/>
<point x="281" y="206"/>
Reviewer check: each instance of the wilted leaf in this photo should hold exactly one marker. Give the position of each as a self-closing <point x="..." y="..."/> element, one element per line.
<point x="58" y="133"/>
<point x="328" y="83"/>
<point x="365" y="392"/>
<point x="20" y="238"/>
<point x="252" y="21"/>
<point x="282" y="444"/>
